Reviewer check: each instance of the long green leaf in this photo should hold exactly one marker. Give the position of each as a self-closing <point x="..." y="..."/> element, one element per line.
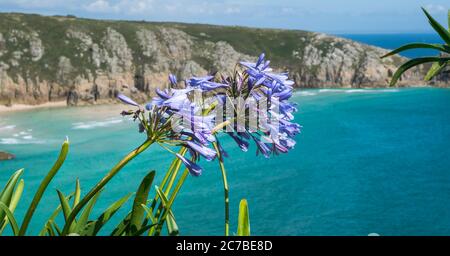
<point x="7" y="193"/>
<point x="64" y="204"/>
<point x="108" y="213"/>
<point x="137" y="213"/>
<point x="11" y="218"/>
<point x="53" y="216"/>
<point x="435" y="69"/>
<point x="49" y="229"/>
<point x="144" y="229"/>
<point x="412" y="63"/>
<point x="84" y="217"/>
<point x="116" y="169"/>
<point x="122" y="226"/>
<point x="438" y="47"/>
<point x="243" y="219"/>
<point x="76" y="198"/>
<point x="15" y="198"/>
<point x="55" y="226"/>
<point x="168" y="204"/>
<point x="172" y="227"/>
<point x="149" y="214"/>
<point x="43" y="186"/>
<point x="443" y="33"/>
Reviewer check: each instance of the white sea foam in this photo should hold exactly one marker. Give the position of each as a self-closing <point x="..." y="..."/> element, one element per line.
<point x="24" y="140"/>
<point x="305" y="93"/>
<point x="96" y="124"/>
<point x="370" y="90"/>
<point x="9" y="141"/>
<point x="319" y="91"/>
<point x="329" y="90"/>
<point x="27" y="137"/>
<point x="357" y="90"/>
<point x="7" y="127"/>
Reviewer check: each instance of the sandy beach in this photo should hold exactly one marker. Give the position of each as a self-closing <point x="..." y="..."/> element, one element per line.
<point x="23" y="107"/>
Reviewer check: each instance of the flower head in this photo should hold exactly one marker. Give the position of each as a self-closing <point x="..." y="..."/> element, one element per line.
<point x="175" y="117"/>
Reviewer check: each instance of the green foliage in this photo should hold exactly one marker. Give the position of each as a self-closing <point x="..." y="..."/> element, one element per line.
<point x="137" y="212"/>
<point x="43" y="186"/>
<point x="145" y="216"/>
<point x="243" y="219"/>
<point x="439" y="63"/>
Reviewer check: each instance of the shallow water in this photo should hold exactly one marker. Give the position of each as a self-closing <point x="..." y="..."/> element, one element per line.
<point x="368" y="161"/>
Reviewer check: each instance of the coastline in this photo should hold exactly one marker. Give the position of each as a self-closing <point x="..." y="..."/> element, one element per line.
<point x="24" y="107"/>
<point x="61" y="104"/>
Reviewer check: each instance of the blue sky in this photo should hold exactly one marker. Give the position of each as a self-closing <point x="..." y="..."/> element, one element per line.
<point x="331" y="16"/>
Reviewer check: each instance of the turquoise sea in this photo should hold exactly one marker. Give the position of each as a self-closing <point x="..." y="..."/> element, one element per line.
<point x="393" y="41"/>
<point x="368" y="161"/>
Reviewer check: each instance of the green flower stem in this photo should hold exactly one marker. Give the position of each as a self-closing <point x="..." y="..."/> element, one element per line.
<point x="225" y="189"/>
<point x="169" y="204"/>
<point x="103" y="182"/>
<point x="173" y="165"/>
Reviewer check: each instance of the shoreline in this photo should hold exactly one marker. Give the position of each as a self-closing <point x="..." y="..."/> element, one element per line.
<point x="61" y="104"/>
<point x="24" y="107"/>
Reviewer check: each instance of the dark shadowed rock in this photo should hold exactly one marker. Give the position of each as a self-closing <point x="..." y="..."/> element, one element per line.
<point x="6" y="156"/>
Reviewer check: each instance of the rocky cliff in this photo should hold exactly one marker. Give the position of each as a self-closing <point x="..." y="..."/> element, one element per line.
<point x="88" y="61"/>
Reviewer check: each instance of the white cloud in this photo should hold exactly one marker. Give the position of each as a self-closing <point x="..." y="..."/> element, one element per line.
<point x="37" y="3"/>
<point x="123" y="6"/>
<point x="232" y="10"/>
<point x="436" y="8"/>
<point x="101" y="6"/>
<point x="288" y="10"/>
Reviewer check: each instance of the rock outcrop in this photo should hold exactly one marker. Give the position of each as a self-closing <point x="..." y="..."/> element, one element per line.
<point x="6" y="156"/>
<point x="89" y="61"/>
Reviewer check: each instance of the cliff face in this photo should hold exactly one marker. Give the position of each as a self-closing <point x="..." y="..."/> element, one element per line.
<point x="87" y="61"/>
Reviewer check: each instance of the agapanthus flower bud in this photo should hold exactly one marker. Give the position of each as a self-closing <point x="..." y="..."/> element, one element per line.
<point x="127" y="100"/>
<point x="194" y="169"/>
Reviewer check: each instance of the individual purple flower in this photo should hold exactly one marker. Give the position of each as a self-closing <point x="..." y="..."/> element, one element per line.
<point x="209" y="86"/>
<point x="241" y="142"/>
<point x="222" y="151"/>
<point x="173" y="79"/>
<point x="262" y="147"/>
<point x="194" y="169"/>
<point x="127" y="100"/>
<point x="260" y="59"/>
<point x="175" y="99"/>
<point x="196" y="81"/>
<point x="206" y="152"/>
<point x="205" y="83"/>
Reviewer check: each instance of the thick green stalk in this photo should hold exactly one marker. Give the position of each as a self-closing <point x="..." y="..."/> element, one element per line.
<point x="103" y="182"/>
<point x="175" y="164"/>
<point x="169" y="204"/>
<point x="43" y="186"/>
<point x="225" y="189"/>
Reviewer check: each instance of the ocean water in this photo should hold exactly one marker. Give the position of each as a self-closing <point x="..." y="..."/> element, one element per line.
<point x="393" y="41"/>
<point x="367" y="161"/>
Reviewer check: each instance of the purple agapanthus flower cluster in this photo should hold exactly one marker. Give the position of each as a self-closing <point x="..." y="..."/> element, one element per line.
<point x="260" y="83"/>
<point x="176" y="117"/>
